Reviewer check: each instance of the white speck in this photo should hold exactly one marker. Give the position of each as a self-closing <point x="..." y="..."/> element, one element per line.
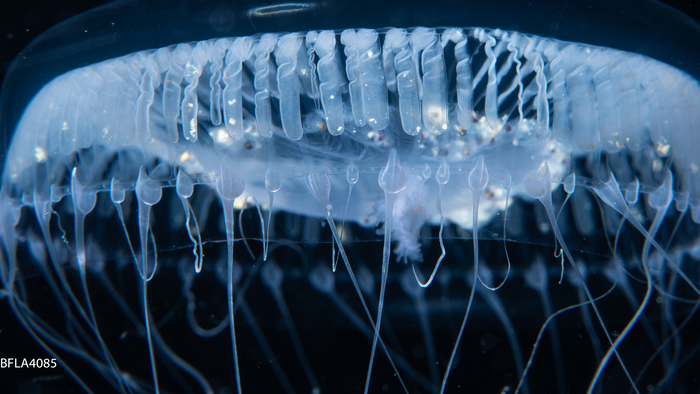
<point x="332" y="96"/>
<point x="369" y="53"/>
<point x="231" y="121"/>
<point x="40" y="155"/>
<point x="222" y="136"/>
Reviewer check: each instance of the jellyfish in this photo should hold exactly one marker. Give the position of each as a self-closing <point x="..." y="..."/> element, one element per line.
<point x="316" y="197"/>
